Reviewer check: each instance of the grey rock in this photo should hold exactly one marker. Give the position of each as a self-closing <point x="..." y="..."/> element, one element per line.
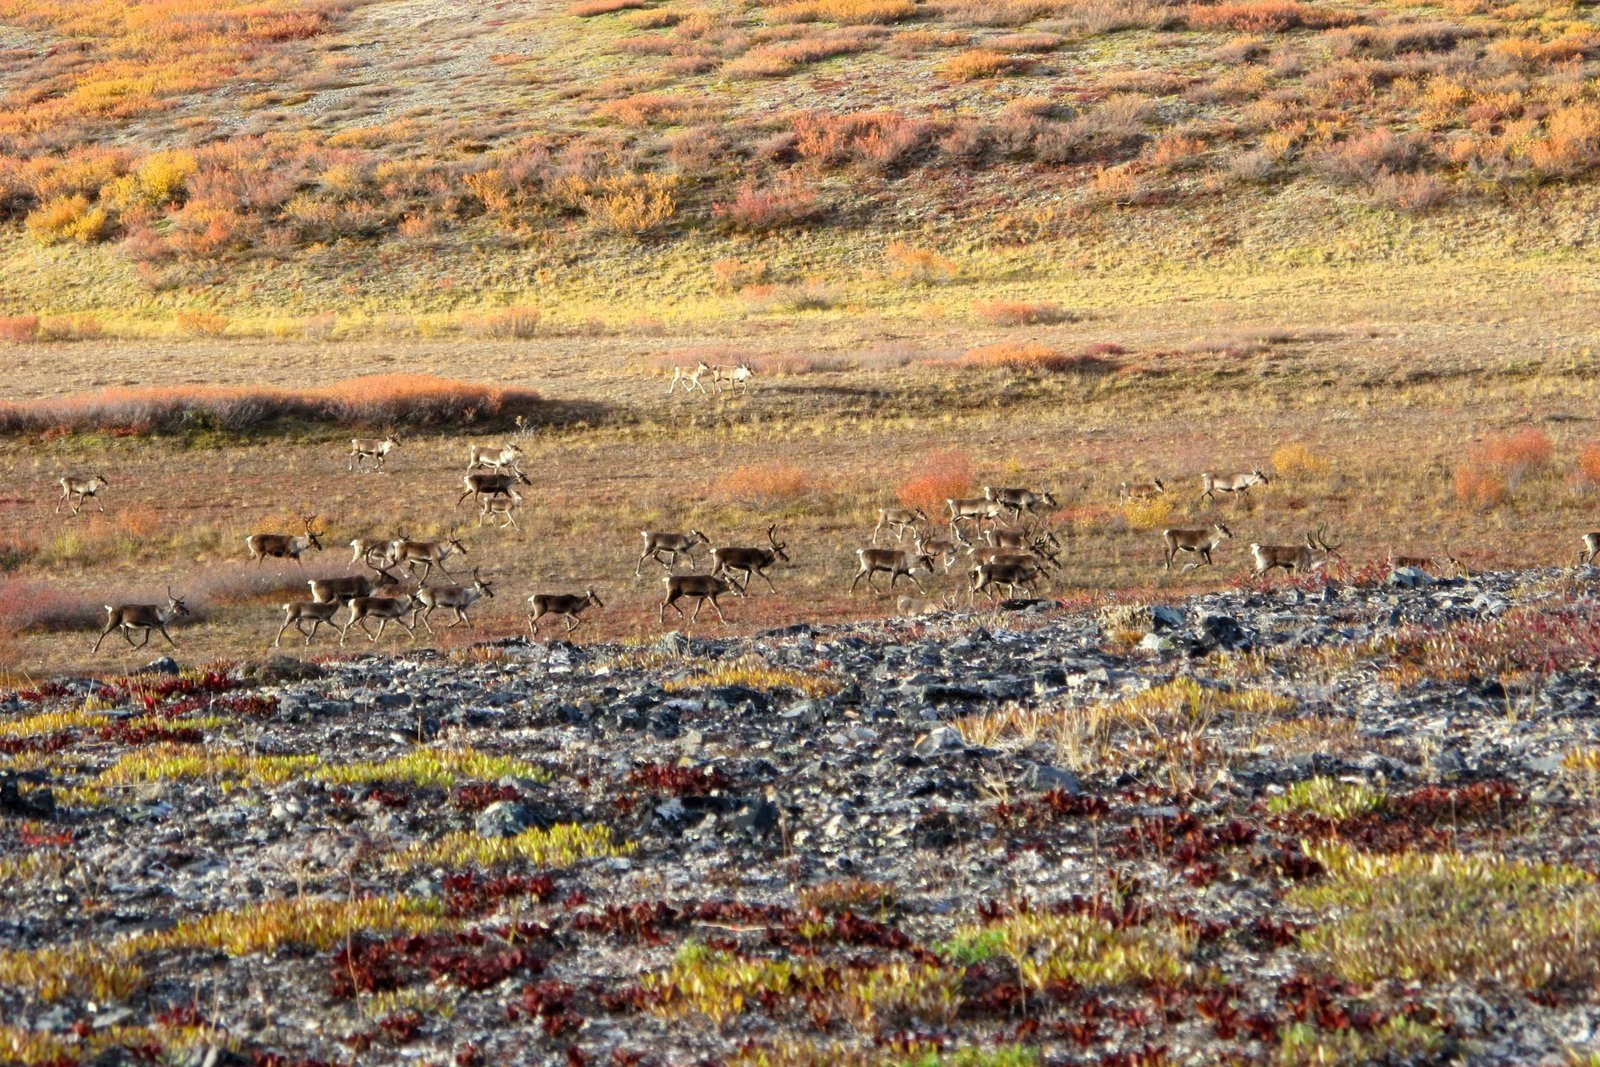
<point x="940" y="739"/>
<point x="505" y="818"/>
<point x="1043" y="776"/>
<point x="164" y="665"/>
<point x="1409" y="578"/>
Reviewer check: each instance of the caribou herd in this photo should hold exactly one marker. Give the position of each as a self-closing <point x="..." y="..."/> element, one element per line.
<point x="1004" y="536"/>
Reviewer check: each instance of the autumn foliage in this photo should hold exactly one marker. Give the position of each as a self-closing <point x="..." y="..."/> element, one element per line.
<point x="944" y="475"/>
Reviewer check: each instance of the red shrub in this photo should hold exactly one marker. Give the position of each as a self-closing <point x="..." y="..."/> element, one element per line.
<point x="945" y="475"/>
<point x="758" y="210"/>
<point x="1020" y="313"/>
<point x="20" y="328"/>
<point x="1589" y="463"/>
<point x="765" y="483"/>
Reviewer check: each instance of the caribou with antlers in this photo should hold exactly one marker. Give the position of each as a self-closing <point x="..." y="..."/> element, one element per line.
<point x="562" y="605"/>
<point x="427" y="555"/>
<point x="1017" y="501"/>
<point x="285" y="546"/>
<point x="1202" y="542"/>
<point x="76" y="489"/>
<point x="1315" y="553"/>
<point x="375" y="552"/>
<point x="975" y="509"/>
<point x="145" y="617"/>
<point x="1212" y="484"/>
<point x="344" y="590"/>
<point x="947" y="549"/>
<point x="657" y="542"/>
<point x="730" y="377"/>
<point x="726" y="560"/>
<point x="365" y="448"/>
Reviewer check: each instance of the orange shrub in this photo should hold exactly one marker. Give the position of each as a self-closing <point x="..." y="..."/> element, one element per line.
<point x="1480" y="488"/>
<point x="1020" y="313"/>
<point x="978" y="63"/>
<point x="202" y="323"/>
<point x="765" y="484"/>
<point x="1263" y="16"/>
<point x="945" y="476"/>
<point x="918" y="264"/>
<point x="590" y="8"/>
<point x="19" y="328"/>
<point x="1030" y="356"/>
<point x="1589" y="463"/>
<point x="512" y="324"/>
<point x="1518" y="454"/>
<point x="843" y="12"/>
<point x="70" y="328"/>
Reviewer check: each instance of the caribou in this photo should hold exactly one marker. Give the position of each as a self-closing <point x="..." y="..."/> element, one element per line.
<point x="690" y="380"/>
<point x="562" y="605"/>
<point x="947" y="549"/>
<point x="145" y="617"/>
<point x="898" y="521"/>
<point x="1310" y="556"/>
<point x="727" y="378"/>
<point x="458" y="598"/>
<point x="297" y="613"/>
<point x="364" y="549"/>
<point x="726" y="560"/>
<point x="497" y="459"/>
<point x="344" y="590"/>
<point x="1140" y="490"/>
<point x="503" y="508"/>
<point x="973" y="509"/>
<point x="488" y="483"/>
<point x="702" y="587"/>
<point x="75" y="490"/>
<point x="1011" y="573"/>
<point x="365" y="448"/>
<point x="894" y="561"/>
<point x="1591" y="549"/>
<point x="1016" y="501"/>
<point x="283" y="546"/>
<point x="383" y="608"/>
<point x="1212" y="484"/>
<point x="657" y="542"/>
<point x="910" y="606"/>
<point x="1201" y="542"/>
<point x="427" y="554"/>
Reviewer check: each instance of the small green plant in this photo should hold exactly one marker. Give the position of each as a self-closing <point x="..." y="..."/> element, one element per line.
<point x="1330" y="798"/>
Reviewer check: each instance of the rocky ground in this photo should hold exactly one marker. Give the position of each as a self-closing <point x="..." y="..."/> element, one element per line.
<point x="1316" y="822"/>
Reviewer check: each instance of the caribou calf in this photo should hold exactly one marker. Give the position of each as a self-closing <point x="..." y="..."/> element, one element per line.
<point x="366" y="549"/>
<point x="75" y="490"/>
<point x="365" y="448"/>
<point x="146" y="617"/>
<point x="562" y="605"/>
